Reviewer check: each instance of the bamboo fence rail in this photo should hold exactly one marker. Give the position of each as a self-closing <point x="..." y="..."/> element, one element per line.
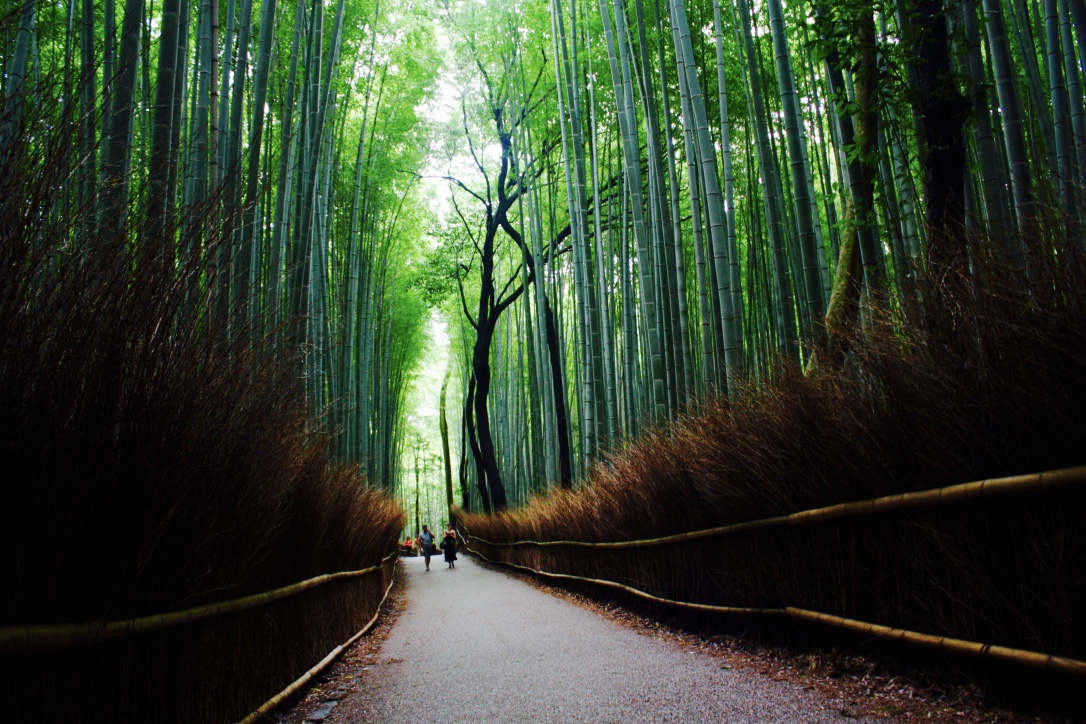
<point x="305" y="678"/>
<point x="1006" y="654"/>
<point x="1017" y="484"/>
<point x="54" y="637"/>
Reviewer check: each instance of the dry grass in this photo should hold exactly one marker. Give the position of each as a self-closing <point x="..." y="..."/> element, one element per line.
<point x="991" y="381"/>
<point x="153" y="465"/>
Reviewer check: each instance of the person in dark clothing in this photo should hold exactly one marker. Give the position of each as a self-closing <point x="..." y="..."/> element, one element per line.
<point x="449" y="546"/>
<point x="426" y="540"/>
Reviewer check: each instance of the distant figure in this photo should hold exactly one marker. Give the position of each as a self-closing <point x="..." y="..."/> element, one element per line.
<point x="449" y="546"/>
<point x="426" y="540"/>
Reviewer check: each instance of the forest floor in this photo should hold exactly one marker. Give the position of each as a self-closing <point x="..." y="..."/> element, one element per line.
<point x="476" y="644"/>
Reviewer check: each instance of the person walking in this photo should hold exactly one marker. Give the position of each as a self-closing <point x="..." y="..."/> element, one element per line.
<point x="426" y="540"/>
<point x="449" y="546"/>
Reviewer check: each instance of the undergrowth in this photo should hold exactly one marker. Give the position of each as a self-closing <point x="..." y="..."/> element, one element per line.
<point x="990" y="382"/>
<point x="986" y="378"/>
<point x="152" y="463"/>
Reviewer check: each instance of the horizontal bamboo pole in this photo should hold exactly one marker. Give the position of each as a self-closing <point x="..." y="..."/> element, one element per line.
<point x="1032" y="483"/>
<point x="308" y="676"/>
<point x="53" y="637"/>
<point x="1004" y="654"/>
<point x="638" y="592"/>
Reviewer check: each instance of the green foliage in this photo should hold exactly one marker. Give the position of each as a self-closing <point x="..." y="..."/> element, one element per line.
<point x="153" y="468"/>
<point x="437" y="279"/>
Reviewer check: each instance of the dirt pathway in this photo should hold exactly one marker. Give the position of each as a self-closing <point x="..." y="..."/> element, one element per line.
<point x="474" y="645"/>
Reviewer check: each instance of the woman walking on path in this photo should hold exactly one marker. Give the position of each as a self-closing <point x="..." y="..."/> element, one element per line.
<point x="449" y="546"/>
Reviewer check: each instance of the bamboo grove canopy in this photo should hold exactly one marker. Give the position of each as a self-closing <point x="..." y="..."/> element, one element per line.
<point x="639" y="205"/>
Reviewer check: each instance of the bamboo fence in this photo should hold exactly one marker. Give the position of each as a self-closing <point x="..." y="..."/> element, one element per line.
<point x="54" y="637"/>
<point x="944" y="643"/>
<point x="1018" y="484"/>
<point x="927" y="499"/>
<point x="308" y="676"/>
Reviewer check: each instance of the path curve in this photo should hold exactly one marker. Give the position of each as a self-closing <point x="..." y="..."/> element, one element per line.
<point x="475" y="645"/>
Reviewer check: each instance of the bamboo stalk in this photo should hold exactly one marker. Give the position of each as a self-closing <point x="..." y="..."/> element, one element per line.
<point x="305" y="678"/>
<point x="53" y="637"/>
<point x="1004" y="654"/>
<point x="1032" y="483"/>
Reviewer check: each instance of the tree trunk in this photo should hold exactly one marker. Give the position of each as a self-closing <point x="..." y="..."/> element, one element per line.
<point x="1013" y="133"/>
<point x="243" y="284"/>
<point x="443" y="424"/>
<point x="710" y="183"/>
<point x="793" y="128"/>
<point x="565" y="458"/>
<point x="280" y="226"/>
<point x="157" y="245"/>
<point x="113" y="209"/>
<point x="993" y="181"/>
<point x="767" y="165"/>
<point x="945" y="110"/>
<point x="1060" y="112"/>
<point x="12" y="113"/>
<point x="631" y="151"/>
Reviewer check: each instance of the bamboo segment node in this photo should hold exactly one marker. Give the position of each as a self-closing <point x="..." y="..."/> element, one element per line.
<point x="55" y="637"/>
<point x="936" y="497"/>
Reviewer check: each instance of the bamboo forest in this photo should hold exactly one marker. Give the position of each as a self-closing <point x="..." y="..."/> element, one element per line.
<point x="755" y="327"/>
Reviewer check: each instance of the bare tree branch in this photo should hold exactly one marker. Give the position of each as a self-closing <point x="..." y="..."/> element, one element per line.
<point x="471" y="147"/>
<point x="463" y="298"/>
<point x="462" y="185"/>
<point x="467" y="226"/>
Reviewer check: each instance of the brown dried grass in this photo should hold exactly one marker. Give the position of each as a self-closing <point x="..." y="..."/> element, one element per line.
<point x="152" y="466"/>
<point x="991" y="381"/>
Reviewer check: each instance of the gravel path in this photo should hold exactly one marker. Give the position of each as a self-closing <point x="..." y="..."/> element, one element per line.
<point x="474" y="645"/>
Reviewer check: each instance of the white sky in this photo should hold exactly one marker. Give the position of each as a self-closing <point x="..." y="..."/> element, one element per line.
<point x="425" y="390"/>
<point x="423" y="397"/>
<point x="439" y="111"/>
